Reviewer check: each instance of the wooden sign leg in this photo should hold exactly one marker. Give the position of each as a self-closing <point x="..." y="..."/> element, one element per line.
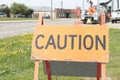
<point x="36" y="72"/>
<point x="103" y="71"/>
<point x="103" y="65"/>
<point x="40" y="22"/>
<point x="48" y="70"/>
<point x="102" y="19"/>
<point x="98" y="71"/>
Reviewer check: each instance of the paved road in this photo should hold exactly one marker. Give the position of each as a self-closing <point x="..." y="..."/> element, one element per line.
<point x="13" y="28"/>
<point x="16" y="28"/>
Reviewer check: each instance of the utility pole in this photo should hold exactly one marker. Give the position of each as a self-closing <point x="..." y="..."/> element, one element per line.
<point x="117" y="4"/>
<point x="83" y="4"/>
<point x="98" y="3"/>
<point x="51" y="11"/>
<point x="98" y="6"/>
<point x="61" y="4"/>
<point x="112" y="6"/>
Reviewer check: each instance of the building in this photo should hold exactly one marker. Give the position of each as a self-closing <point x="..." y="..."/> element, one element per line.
<point x="68" y="13"/>
<point x="45" y="11"/>
<point x="57" y="13"/>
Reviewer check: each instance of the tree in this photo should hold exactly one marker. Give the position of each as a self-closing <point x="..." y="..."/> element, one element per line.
<point x="29" y="11"/>
<point x="4" y="8"/>
<point x="18" y="8"/>
<point x="7" y="11"/>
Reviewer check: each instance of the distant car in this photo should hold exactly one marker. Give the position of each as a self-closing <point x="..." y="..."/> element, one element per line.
<point x="19" y="16"/>
<point x="2" y="14"/>
<point x="46" y="17"/>
<point x="115" y="16"/>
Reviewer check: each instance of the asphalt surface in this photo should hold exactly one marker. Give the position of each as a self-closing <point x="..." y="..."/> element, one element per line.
<point x="13" y="28"/>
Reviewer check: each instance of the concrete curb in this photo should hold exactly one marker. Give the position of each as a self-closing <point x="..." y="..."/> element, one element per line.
<point x="19" y="21"/>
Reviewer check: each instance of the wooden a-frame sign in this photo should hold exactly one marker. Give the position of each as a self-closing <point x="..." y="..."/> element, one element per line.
<point x="80" y="44"/>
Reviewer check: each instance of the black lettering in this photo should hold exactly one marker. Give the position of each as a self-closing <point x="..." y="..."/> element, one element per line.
<point x="102" y="42"/>
<point x="59" y="41"/>
<point x="72" y="40"/>
<point x="85" y="42"/>
<point x="80" y="41"/>
<point x="36" y="41"/>
<point x="51" y="42"/>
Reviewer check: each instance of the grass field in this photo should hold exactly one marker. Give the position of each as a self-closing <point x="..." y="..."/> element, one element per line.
<point x="14" y="19"/>
<point x="15" y="62"/>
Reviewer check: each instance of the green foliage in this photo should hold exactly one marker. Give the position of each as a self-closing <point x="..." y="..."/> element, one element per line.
<point x="14" y="19"/>
<point x="7" y="11"/>
<point x="28" y="12"/>
<point x="113" y="67"/>
<point x="2" y="7"/>
<point x="15" y="62"/>
<point x="18" y="8"/>
<point x="5" y="8"/>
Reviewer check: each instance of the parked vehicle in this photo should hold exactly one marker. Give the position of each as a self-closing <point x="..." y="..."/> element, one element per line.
<point x="92" y="15"/>
<point x="19" y="16"/>
<point x="2" y="14"/>
<point x="46" y="17"/>
<point x="115" y="16"/>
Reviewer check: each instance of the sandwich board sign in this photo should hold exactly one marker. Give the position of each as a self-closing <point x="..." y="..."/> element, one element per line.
<point x="82" y="44"/>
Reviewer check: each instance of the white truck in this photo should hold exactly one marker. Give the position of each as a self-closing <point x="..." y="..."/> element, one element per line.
<point x="86" y="17"/>
<point x="93" y="18"/>
<point x="115" y="16"/>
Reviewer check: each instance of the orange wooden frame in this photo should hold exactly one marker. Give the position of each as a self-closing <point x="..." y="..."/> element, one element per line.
<point x="101" y="67"/>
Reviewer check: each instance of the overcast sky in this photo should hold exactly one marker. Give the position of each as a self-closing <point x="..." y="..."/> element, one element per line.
<point x="56" y="3"/>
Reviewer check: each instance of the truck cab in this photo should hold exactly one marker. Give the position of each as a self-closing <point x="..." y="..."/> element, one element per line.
<point x="115" y="16"/>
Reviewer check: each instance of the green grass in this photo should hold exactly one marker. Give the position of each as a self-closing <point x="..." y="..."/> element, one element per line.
<point x="13" y="19"/>
<point x="15" y="62"/>
<point x="113" y="67"/>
